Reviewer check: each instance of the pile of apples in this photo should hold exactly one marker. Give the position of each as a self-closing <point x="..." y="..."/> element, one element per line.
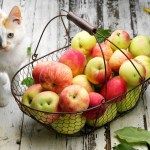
<point x="89" y="82"/>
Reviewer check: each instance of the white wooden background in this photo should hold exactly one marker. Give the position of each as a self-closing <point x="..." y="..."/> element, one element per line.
<point x="18" y="131"/>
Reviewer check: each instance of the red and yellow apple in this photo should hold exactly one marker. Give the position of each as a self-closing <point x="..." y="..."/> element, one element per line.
<point x="46" y="101"/>
<point x="84" y="42"/>
<point x="55" y="77"/>
<point x="128" y="72"/>
<point x="95" y="70"/>
<point x="37" y="70"/>
<point x="114" y="88"/>
<point x="98" y="49"/>
<point x="98" y="100"/>
<point x="75" y="60"/>
<point x="145" y="61"/>
<point x="84" y="82"/>
<point x="74" y="98"/>
<point x="120" y="38"/>
<point x="117" y="58"/>
<point x="140" y="45"/>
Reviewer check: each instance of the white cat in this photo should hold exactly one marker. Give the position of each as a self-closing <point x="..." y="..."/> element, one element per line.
<point x="13" y="49"/>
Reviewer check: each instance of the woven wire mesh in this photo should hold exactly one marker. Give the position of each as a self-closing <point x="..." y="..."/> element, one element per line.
<point x="76" y="122"/>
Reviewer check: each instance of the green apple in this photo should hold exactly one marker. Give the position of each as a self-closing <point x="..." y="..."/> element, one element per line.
<point x="120" y="38"/>
<point x="46" y="101"/>
<point x="95" y="70"/>
<point x="83" y="81"/>
<point x="30" y="93"/>
<point x="140" y="45"/>
<point x="84" y="42"/>
<point x="108" y="116"/>
<point x="130" y="74"/>
<point x="28" y="96"/>
<point x="131" y="99"/>
<point x="69" y="123"/>
<point x="145" y="61"/>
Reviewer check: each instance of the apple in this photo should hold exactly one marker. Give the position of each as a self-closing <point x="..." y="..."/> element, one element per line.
<point x="128" y="72"/>
<point x="120" y="38"/>
<point x="84" y="42"/>
<point x="75" y="60"/>
<point x="84" y="82"/>
<point x="55" y="77"/>
<point x="145" y="61"/>
<point x="130" y="100"/>
<point x="30" y="93"/>
<point x="95" y="70"/>
<point x="96" y="99"/>
<point x="37" y="70"/>
<point x="74" y="98"/>
<point x="140" y="45"/>
<point x="117" y="58"/>
<point x="109" y="115"/>
<point x="113" y="88"/>
<point x="69" y="123"/>
<point x="46" y="101"/>
<point x="107" y="51"/>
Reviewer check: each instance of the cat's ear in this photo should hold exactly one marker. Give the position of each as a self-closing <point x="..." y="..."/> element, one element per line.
<point x="15" y="15"/>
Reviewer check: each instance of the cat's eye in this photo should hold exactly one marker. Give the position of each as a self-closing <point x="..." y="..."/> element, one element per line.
<point x="10" y="35"/>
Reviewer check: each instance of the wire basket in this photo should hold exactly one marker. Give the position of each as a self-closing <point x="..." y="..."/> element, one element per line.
<point x="74" y="123"/>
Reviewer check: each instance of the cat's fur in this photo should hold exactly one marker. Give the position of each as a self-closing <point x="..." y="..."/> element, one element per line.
<point x="13" y="48"/>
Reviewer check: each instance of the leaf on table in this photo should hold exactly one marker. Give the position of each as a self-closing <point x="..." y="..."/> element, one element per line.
<point x="28" y="81"/>
<point x="123" y="146"/>
<point x="134" y="135"/>
<point x="101" y="32"/>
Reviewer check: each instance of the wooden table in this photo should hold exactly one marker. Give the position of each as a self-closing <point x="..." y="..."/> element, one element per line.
<point x="18" y="131"/>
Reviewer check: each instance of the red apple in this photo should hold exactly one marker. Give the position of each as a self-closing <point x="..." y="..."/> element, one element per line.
<point x="95" y="70"/>
<point x="75" y="60"/>
<point x="96" y="99"/>
<point x="118" y="58"/>
<point x="55" y="77"/>
<point x="37" y="70"/>
<point x="107" y="51"/>
<point x="113" y="88"/>
<point x="74" y="98"/>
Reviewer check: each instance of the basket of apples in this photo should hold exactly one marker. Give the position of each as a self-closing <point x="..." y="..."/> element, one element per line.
<point x="84" y="85"/>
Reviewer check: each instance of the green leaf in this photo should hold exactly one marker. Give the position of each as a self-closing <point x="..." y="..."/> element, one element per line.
<point x="100" y="32"/>
<point x="134" y="135"/>
<point x="123" y="146"/>
<point x="29" y="51"/>
<point x="28" y="81"/>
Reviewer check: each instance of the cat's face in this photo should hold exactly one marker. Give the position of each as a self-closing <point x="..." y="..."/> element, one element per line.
<point x="11" y="30"/>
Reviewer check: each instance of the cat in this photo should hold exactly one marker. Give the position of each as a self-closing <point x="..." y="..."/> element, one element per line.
<point x="13" y="49"/>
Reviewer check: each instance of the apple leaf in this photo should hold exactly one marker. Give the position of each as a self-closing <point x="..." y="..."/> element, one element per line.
<point x="123" y="146"/>
<point x="134" y="135"/>
<point x="28" y="81"/>
<point x="106" y="33"/>
<point x="147" y="10"/>
<point x="29" y="51"/>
